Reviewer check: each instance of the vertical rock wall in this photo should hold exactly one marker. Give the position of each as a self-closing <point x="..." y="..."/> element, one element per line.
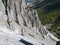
<point x="16" y="15"/>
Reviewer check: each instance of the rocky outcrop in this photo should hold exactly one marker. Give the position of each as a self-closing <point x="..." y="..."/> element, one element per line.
<point x="17" y="19"/>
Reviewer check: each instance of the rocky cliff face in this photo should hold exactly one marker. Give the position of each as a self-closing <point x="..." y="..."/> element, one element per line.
<point x="21" y="23"/>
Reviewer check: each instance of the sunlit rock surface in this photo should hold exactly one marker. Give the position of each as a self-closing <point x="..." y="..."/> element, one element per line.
<point x="21" y="26"/>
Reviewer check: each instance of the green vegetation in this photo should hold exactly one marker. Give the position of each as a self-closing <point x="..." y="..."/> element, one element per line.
<point x="49" y="12"/>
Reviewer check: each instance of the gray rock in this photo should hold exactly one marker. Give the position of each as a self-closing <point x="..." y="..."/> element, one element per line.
<point x="18" y="20"/>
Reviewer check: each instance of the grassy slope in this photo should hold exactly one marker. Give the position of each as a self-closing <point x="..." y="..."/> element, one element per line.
<point x="49" y="12"/>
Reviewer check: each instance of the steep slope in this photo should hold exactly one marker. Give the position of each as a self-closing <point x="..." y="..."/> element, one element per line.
<point x="21" y="26"/>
